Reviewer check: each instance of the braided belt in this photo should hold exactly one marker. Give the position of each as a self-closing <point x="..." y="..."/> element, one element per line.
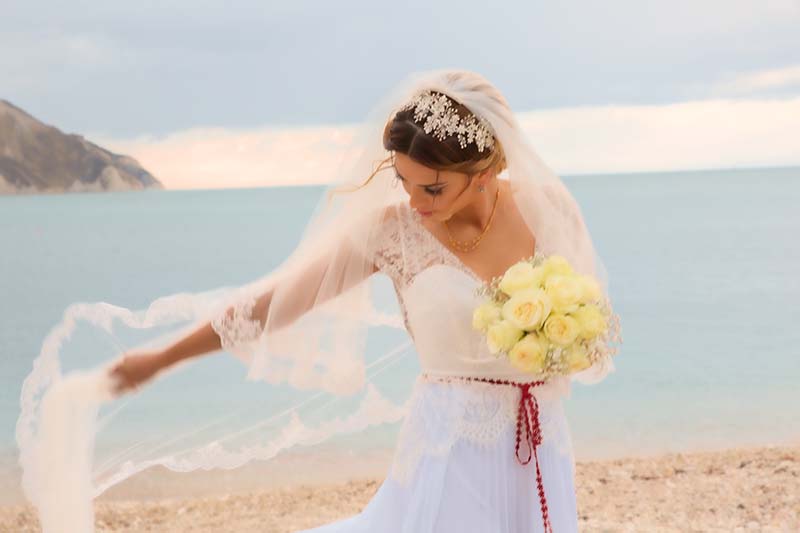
<point x="527" y="422"/>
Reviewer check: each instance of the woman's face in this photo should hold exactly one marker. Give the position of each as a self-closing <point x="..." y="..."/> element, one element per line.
<point x="434" y="194"/>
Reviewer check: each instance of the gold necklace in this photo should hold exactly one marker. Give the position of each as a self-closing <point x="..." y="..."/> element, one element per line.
<point x="467" y="246"/>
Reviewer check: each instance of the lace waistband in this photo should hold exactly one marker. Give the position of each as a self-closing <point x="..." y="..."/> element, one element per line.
<point x="527" y="421"/>
<point x="447" y="378"/>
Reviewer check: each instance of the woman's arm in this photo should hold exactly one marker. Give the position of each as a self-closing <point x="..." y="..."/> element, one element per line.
<point x="136" y="368"/>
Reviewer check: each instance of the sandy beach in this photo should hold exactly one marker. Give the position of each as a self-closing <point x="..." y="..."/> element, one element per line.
<point x="746" y="489"/>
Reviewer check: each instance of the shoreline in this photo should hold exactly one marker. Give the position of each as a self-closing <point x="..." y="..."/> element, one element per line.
<point x="753" y="488"/>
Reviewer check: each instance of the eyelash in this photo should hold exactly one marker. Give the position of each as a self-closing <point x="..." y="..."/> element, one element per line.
<point x="432" y="192"/>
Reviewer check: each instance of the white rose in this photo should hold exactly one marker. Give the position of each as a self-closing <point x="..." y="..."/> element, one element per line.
<point x="520" y="276"/>
<point x="591" y="290"/>
<point x="565" y="292"/>
<point x="530" y="353"/>
<point x="591" y="321"/>
<point x="556" y="265"/>
<point x="561" y="329"/>
<point x="527" y="309"/>
<point x="576" y="358"/>
<point x="485" y="315"/>
<point x="502" y="335"/>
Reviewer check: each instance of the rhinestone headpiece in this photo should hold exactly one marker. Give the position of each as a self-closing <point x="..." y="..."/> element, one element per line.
<point x="442" y="120"/>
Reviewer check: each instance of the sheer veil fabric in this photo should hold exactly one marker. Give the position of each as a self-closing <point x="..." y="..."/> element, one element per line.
<point x="301" y="332"/>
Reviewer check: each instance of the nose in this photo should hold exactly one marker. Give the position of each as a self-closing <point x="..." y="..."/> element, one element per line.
<point x="420" y="202"/>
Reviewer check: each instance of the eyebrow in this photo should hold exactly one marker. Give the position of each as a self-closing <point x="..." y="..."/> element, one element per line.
<point x="428" y="185"/>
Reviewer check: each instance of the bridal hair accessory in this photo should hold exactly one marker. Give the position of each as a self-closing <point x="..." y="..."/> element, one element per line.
<point x="442" y="120"/>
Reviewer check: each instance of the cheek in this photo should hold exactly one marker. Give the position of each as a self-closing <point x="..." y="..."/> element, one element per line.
<point x="420" y="200"/>
<point x="446" y="198"/>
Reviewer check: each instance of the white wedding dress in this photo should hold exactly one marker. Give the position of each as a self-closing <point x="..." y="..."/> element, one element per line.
<point x="456" y="468"/>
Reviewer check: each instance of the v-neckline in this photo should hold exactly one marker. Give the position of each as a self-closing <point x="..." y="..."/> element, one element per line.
<point x="418" y="219"/>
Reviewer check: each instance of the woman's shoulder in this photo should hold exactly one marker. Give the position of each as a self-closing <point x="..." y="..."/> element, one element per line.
<point x="396" y="241"/>
<point x="393" y="221"/>
<point x="395" y="212"/>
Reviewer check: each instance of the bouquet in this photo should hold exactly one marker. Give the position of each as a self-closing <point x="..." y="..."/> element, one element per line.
<point x="545" y="318"/>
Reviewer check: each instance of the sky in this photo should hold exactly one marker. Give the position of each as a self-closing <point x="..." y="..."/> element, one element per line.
<point x="233" y="94"/>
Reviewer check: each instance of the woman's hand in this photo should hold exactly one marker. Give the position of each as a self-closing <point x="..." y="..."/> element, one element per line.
<point x="135" y="369"/>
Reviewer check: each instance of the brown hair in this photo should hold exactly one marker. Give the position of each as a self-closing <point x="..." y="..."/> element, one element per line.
<point x="402" y="134"/>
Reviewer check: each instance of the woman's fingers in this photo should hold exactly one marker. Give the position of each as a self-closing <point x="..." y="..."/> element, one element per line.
<point x="120" y="380"/>
<point x="133" y="370"/>
<point x="128" y="373"/>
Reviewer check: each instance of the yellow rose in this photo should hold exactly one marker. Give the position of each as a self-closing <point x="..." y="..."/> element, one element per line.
<point x="530" y="353"/>
<point x="561" y="329"/>
<point x="538" y="276"/>
<point x="556" y="265"/>
<point x="591" y="321"/>
<point x="527" y="309"/>
<point x="485" y="315"/>
<point x="576" y="358"/>
<point x="591" y="290"/>
<point x="502" y="335"/>
<point x="565" y="292"/>
<point x="520" y="276"/>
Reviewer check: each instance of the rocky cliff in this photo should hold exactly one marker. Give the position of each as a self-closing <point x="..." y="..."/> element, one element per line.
<point x="37" y="158"/>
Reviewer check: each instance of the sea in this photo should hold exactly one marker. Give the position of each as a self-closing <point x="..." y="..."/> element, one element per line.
<point x="703" y="269"/>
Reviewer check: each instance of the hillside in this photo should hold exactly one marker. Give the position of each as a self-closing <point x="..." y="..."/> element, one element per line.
<point x="38" y="158"/>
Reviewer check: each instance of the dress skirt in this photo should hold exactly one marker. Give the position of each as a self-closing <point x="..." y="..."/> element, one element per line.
<point x="456" y="470"/>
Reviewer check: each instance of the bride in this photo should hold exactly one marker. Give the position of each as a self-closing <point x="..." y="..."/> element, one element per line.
<point x="442" y="193"/>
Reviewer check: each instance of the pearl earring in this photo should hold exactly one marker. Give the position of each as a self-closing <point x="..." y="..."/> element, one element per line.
<point x="481" y="188"/>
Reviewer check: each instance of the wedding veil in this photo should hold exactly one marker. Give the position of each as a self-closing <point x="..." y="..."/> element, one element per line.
<point x="301" y="332"/>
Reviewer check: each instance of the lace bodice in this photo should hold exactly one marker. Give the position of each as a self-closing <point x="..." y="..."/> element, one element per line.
<point x="437" y="295"/>
<point x="406" y="248"/>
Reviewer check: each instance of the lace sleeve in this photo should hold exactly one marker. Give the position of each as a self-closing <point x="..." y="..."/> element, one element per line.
<point x="271" y="305"/>
<point x="239" y="327"/>
<point x="402" y="248"/>
<point x="387" y="254"/>
<point x="400" y="251"/>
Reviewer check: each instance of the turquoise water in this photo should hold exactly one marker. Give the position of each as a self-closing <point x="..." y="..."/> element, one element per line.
<point x="703" y="270"/>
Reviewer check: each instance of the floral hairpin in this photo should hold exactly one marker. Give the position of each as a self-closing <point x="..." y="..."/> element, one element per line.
<point x="440" y="118"/>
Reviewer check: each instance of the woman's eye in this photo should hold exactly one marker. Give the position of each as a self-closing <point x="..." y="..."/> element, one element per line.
<point x="434" y="192"/>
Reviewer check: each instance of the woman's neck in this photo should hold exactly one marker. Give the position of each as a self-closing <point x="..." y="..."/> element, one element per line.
<point x="477" y="214"/>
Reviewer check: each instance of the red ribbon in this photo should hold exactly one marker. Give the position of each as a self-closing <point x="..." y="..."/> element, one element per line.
<point x="527" y="421"/>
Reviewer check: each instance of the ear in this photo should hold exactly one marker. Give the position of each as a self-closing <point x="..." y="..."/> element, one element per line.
<point x="484" y="176"/>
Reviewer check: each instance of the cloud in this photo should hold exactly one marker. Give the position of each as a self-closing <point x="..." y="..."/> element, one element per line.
<point x="117" y="68"/>
<point x="720" y="133"/>
<point x="761" y="81"/>
<point x="223" y="158"/>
